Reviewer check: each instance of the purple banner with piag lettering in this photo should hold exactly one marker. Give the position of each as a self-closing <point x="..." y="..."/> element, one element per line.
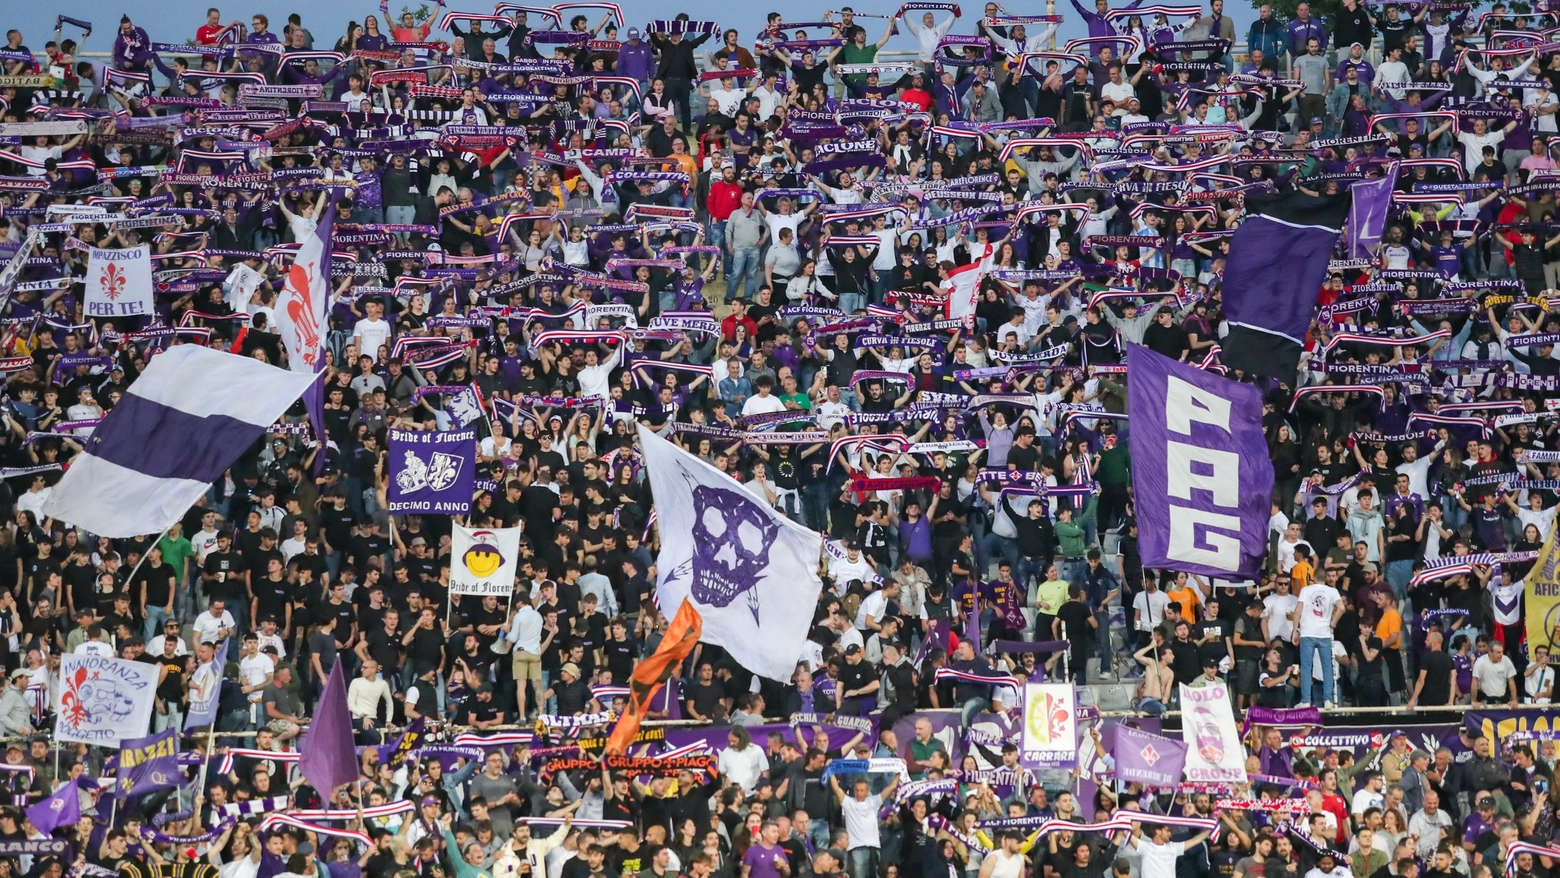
<point x="432" y="472"/>
<point x="1200" y="468"/>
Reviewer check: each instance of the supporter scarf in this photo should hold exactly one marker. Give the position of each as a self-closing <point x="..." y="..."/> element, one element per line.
<point x="913" y="483"/>
<point x="1289" y="806"/>
<point x="275" y="820"/>
<point x="468" y="753"/>
<point x="1194" y="823"/>
<point x="226" y="766"/>
<point x="992" y="679"/>
<point x="387" y="810"/>
<point x="156" y="836"/>
<point x="865" y="766"/>
<point x="938" y="822"/>
<point x="490" y="741"/>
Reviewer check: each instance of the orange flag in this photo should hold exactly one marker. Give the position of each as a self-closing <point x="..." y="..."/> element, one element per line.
<point x="652" y="673"/>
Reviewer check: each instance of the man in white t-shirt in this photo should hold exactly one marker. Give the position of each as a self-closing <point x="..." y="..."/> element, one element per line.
<point x="1492" y="678"/>
<point x="1369" y="796"/>
<point x="214" y="625"/>
<point x="763" y="401"/>
<point x="372" y="331"/>
<point x="596" y="374"/>
<point x="860" y="810"/>
<point x="204" y="541"/>
<point x="1474" y="142"/>
<point x="1287" y="544"/>
<point x="1278" y="609"/>
<point x="1315" y="613"/>
<point x="854" y="565"/>
<point x="1148" y="608"/>
<point x="1157" y="853"/>
<point x="255" y="670"/>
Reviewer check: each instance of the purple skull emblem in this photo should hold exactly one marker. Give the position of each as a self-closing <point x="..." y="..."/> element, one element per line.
<point x="731" y="539"/>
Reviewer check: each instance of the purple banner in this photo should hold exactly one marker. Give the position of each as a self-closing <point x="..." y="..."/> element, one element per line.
<point x="1147" y="758"/>
<point x="1201" y="472"/>
<point x="149" y="764"/>
<point x="432" y="472"/>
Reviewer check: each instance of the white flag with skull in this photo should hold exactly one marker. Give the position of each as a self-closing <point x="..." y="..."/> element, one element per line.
<point x="751" y="572"/>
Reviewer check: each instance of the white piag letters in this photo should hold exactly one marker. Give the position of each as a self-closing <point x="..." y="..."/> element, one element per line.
<point x="1200" y="536"/>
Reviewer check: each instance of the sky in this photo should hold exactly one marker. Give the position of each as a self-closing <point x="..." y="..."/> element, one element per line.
<point x="174" y="21"/>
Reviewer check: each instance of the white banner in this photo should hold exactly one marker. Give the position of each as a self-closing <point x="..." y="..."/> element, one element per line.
<point x="751" y="572"/>
<point x="104" y="701"/>
<point x="42" y="129"/>
<point x="483" y="562"/>
<point x="1214" y="753"/>
<point x="119" y="282"/>
<point x="1050" y="738"/>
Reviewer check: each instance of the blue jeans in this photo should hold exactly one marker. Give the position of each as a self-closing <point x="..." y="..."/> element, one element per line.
<point x="153" y="623"/>
<point x="863" y="862"/>
<point x="850" y="303"/>
<point x="1073" y="571"/>
<point x="743" y="274"/>
<point x="1102" y="638"/>
<point x="1307" y="646"/>
<point x="990" y="544"/>
<point x="1030" y="570"/>
<point x="1399" y="574"/>
<point x="972" y="707"/>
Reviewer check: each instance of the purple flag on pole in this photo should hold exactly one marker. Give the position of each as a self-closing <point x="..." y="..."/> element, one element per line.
<point x="329" y="754"/>
<point x="61" y="809"/>
<point x="149" y="764"/>
<point x="1200" y="468"/>
<point x="1368" y="216"/>
<point x="1278" y="261"/>
<point x="1147" y="758"/>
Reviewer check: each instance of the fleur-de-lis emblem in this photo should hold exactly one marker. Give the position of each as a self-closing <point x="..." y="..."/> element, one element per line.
<point x="113" y="281"/>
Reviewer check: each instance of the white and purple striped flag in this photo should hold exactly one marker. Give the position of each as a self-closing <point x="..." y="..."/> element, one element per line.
<point x="180" y="426"/>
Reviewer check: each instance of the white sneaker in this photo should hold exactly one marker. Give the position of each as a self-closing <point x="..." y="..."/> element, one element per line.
<point x="1328" y="705"/>
<point x="1302" y="704"/>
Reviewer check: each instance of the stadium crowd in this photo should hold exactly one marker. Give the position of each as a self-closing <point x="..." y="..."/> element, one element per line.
<point x="810" y="265"/>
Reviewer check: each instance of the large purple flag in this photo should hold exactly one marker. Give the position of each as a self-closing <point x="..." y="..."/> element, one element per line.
<point x="1200" y="469"/>
<point x="1278" y="261"/>
<point x="1147" y="758"/>
<point x="329" y="754"/>
<point x="61" y="809"/>
<point x="1368" y="215"/>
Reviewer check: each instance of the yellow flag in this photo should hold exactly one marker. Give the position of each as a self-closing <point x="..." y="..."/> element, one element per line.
<point x="1543" y="596"/>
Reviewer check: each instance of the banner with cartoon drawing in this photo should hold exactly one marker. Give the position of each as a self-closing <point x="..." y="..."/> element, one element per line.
<point x="104" y="701"/>
<point x="482" y="561"/>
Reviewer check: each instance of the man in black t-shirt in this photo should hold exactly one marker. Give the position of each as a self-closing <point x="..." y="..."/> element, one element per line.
<point x="703" y="699"/>
<point x="224" y="573"/>
<point x="271" y="597"/>
<point x="482" y="711"/>
<point x="1437" y="675"/>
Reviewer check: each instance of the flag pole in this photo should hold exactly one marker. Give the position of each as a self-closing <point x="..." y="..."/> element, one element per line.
<point x="205" y="764"/>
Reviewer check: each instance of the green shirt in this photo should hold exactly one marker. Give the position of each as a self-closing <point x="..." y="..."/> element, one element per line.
<point x="176" y="552"/>
<point x="1053" y="592"/>
<point x="849" y="54"/>
<point x="1115" y="466"/>
<point x="1070" y="534"/>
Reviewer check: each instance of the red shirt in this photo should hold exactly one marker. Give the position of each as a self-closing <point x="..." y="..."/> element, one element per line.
<point x="206" y="34"/>
<point x="723" y="199"/>
<point x="918" y="96"/>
